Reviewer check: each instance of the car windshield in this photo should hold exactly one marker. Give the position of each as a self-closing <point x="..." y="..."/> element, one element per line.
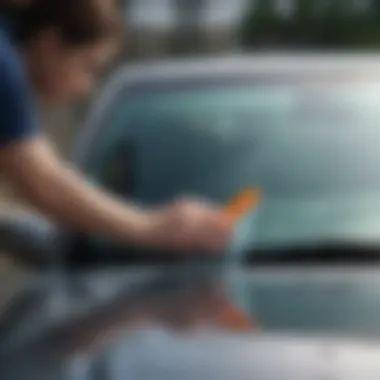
<point x="312" y="149"/>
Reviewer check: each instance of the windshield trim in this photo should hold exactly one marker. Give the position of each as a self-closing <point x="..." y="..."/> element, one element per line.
<point x="334" y="252"/>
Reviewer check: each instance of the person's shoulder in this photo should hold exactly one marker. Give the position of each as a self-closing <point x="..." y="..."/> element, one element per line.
<point x="17" y="116"/>
<point x="9" y="57"/>
<point x="12" y="73"/>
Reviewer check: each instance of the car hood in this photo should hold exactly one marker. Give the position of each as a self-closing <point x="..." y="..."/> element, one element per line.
<point x="157" y="354"/>
<point x="160" y="354"/>
<point x="181" y="324"/>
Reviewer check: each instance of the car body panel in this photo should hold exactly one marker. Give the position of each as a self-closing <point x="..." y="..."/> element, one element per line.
<point x="164" y="323"/>
<point x="31" y="238"/>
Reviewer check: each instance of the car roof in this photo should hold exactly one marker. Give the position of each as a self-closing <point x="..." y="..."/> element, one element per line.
<point x="268" y="63"/>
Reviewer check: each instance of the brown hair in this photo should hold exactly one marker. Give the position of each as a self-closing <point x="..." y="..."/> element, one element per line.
<point x="79" y="22"/>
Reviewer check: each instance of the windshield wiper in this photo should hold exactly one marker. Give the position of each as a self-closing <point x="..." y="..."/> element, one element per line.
<point x="324" y="253"/>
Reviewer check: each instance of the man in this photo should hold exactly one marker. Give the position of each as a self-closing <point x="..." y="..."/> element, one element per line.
<point x="53" y="49"/>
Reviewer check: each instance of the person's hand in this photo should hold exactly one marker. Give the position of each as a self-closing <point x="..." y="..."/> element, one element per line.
<point x="186" y="225"/>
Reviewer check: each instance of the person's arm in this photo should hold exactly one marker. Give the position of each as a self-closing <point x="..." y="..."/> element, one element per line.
<point x="28" y="161"/>
<point x="58" y="190"/>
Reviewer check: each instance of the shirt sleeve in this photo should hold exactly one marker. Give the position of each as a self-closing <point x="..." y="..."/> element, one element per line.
<point x="17" y="116"/>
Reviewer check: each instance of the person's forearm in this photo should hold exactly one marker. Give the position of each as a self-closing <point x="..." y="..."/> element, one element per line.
<point x="44" y="180"/>
<point x="63" y="194"/>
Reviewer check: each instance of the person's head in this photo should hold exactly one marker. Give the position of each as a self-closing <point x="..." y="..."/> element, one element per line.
<point x="7" y="6"/>
<point x="13" y="3"/>
<point x="66" y="42"/>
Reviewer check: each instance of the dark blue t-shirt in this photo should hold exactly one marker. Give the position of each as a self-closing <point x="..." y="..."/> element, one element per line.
<point x="17" y="113"/>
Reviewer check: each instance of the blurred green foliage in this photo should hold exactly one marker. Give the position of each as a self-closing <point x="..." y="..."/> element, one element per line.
<point x="317" y="24"/>
<point x="187" y="37"/>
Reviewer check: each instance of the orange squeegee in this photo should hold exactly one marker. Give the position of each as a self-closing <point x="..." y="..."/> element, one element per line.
<point x="241" y="203"/>
<point x="234" y="319"/>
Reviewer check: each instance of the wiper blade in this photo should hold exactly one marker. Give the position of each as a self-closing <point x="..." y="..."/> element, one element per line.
<point x="326" y="253"/>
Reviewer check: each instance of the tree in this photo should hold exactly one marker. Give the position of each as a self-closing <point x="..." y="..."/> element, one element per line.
<point x="331" y="24"/>
<point x="263" y="25"/>
<point x="338" y="25"/>
<point x="304" y="23"/>
<point x="188" y="25"/>
<point x="368" y="29"/>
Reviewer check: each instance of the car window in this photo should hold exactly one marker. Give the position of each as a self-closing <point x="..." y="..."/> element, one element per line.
<point x="313" y="149"/>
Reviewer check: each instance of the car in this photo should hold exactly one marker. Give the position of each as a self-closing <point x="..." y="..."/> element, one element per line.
<point x="194" y="321"/>
<point x="301" y="128"/>
<point x="287" y="300"/>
